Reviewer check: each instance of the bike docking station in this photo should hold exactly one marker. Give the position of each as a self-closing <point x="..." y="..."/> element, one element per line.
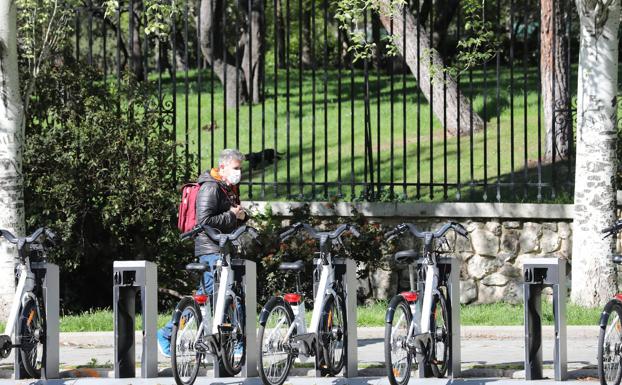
<point x="345" y="271"/>
<point x="538" y="274"/>
<point x="129" y="279"/>
<point x="247" y="270"/>
<point x="48" y="273"/>
<point x="449" y="276"/>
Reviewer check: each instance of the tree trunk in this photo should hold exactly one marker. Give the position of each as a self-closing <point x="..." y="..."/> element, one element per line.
<point x="280" y="35"/>
<point x="138" y="67"/>
<point x="593" y="274"/>
<point x="307" y="57"/>
<point x="253" y="52"/>
<point x="465" y="111"/>
<point x="11" y="142"/>
<point x="553" y="55"/>
<point x="217" y="55"/>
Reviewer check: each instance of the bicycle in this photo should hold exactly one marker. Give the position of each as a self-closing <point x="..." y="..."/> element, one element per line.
<point x="610" y="336"/>
<point x="27" y="315"/>
<point x="196" y="333"/>
<point x="283" y="335"/>
<point x="426" y="336"/>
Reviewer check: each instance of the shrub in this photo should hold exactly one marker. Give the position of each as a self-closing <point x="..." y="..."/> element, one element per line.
<point x="99" y="168"/>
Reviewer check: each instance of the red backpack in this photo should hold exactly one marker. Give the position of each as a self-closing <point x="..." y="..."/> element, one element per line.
<point x="187" y="217"/>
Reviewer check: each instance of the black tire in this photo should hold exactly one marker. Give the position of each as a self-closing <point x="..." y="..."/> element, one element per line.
<point x="610" y="344"/>
<point x="271" y="342"/>
<point x="333" y="335"/>
<point x="234" y="315"/>
<point x="440" y="330"/>
<point x="397" y="355"/>
<point x="31" y="337"/>
<point x="185" y="360"/>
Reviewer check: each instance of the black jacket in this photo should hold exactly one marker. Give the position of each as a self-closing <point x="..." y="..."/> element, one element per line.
<point x="213" y="202"/>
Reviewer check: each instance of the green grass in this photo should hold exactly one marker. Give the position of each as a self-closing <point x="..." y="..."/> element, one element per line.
<point x="99" y="320"/>
<point x="506" y="314"/>
<point x="424" y="147"/>
<point x="367" y="316"/>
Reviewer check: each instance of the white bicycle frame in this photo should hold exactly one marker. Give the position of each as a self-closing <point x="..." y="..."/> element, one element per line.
<point x="25" y="286"/>
<point x="325" y="287"/>
<point x="422" y="325"/>
<point x="224" y="290"/>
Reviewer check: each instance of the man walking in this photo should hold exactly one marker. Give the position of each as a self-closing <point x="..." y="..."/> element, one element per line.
<point x="218" y="206"/>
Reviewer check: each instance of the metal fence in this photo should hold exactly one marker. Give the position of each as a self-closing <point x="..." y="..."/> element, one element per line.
<point x="263" y="75"/>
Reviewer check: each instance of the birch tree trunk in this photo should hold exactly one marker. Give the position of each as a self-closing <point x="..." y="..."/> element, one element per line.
<point x="11" y="142"/>
<point x="451" y="99"/>
<point x="593" y="274"/>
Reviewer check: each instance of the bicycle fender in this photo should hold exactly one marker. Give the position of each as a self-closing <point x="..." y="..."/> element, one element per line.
<point x="179" y="309"/>
<point x="265" y="311"/>
<point x="392" y="306"/>
<point x="606" y="311"/>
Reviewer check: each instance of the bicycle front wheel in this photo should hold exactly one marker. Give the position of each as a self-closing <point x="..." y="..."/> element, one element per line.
<point x="440" y="328"/>
<point x="610" y="344"/>
<point x="275" y="359"/>
<point x="397" y="355"/>
<point x="185" y="360"/>
<point x="234" y="344"/>
<point x="333" y="334"/>
<point x="31" y="337"/>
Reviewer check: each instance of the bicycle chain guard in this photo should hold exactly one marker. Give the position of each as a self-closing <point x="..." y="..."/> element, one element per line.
<point x="5" y="346"/>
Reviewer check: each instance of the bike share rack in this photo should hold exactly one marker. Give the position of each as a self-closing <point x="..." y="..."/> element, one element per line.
<point x="48" y="273"/>
<point x="130" y="278"/>
<point x="538" y="274"/>
<point x="449" y="273"/>
<point x="344" y="267"/>
<point x="248" y="270"/>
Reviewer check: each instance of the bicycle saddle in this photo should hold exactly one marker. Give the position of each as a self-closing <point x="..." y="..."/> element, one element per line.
<point x="196" y="266"/>
<point x="406" y="256"/>
<point x="294" y="266"/>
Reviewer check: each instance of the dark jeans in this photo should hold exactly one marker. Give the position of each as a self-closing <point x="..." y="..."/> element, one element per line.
<point x="208" y="276"/>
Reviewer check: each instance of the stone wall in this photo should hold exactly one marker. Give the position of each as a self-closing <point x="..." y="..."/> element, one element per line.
<point x="491" y="259"/>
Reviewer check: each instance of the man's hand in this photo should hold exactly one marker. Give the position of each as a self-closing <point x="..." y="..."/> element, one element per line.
<point x="238" y="211"/>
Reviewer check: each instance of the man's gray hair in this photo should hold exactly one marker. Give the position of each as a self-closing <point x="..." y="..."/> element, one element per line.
<point x="229" y="154"/>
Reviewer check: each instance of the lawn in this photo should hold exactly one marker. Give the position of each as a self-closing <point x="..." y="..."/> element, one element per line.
<point x="367" y="316"/>
<point x="325" y="134"/>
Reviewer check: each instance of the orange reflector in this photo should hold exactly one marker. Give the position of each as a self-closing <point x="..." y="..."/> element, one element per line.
<point x="396" y="372"/>
<point x="292" y="298"/>
<point x="201" y="298"/>
<point x="410" y="296"/>
<point x="31" y="315"/>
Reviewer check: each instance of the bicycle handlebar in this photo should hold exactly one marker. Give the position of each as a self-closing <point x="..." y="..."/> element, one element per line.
<point x="219" y="237"/>
<point x="319" y="235"/>
<point x="399" y="229"/>
<point x="617" y="226"/>
<point x="32" y="238"/>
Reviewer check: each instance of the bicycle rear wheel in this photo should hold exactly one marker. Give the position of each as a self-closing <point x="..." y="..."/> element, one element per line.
<point x="610" y="344"/>
<point x="333" y="335"/>
<point x="185" y="360"/>
<point x="275" y="360"/>
<point x="397" y="355"/>
<point x="440" y="329"/>
<point x="31" y="337"/>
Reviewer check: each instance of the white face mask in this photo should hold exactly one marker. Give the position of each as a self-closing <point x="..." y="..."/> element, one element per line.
<point x="234" y="176"/>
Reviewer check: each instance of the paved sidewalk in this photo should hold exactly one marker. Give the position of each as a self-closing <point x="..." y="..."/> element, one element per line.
<point x="485" y="352"/>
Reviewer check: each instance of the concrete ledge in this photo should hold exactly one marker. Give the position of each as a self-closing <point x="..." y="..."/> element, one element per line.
<point x="423" y="210"/>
